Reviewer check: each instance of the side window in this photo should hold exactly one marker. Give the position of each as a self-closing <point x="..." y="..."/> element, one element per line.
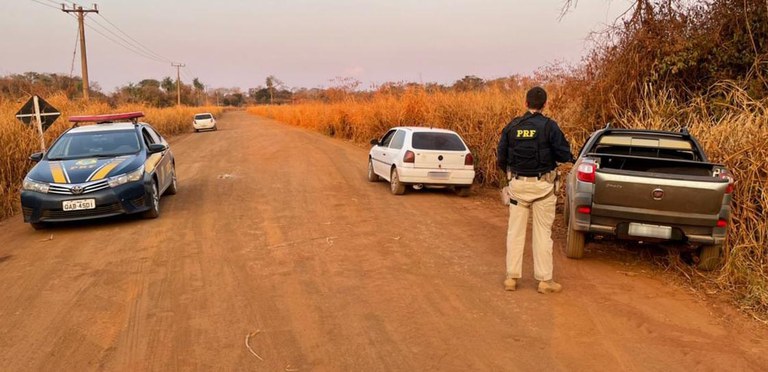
<point x="387" y="138"/>
<point x="155" y="136"/>
<point x="148" y="140"/>
<point x="397" y="140"/>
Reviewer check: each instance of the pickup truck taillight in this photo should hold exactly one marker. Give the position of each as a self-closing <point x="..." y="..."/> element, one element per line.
<point x="727" y="176"/>
<point x="586" y="172"/>
<point x="722" y="223"/>
<point x="469" y="159"/>
<point x="584" y="209"/>
<point x="409" y="157"/>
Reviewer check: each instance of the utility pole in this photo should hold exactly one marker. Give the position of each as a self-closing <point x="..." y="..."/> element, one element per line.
<point x="178" y="81"/>
<point x="83" y="57"/>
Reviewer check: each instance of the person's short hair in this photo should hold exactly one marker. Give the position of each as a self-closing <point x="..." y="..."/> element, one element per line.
<point x="536" y="98"/>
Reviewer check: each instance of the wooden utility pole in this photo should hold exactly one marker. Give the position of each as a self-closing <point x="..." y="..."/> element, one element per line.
<point x="39" y="122"/>
<point x="83" y="56"/>
<point x="178" y="81"/>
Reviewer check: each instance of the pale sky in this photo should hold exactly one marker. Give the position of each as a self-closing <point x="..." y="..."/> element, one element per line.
<point x="237" y="43"/>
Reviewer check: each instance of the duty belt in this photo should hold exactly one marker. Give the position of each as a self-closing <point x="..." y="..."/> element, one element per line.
<point x="539" y="175"/>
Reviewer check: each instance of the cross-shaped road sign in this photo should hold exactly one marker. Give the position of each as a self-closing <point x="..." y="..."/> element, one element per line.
<point x="36" y="107"/>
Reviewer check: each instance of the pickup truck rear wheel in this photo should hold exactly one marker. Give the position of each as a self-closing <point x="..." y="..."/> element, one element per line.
<point x="709" y="257"/>
<point x="574" y="244"/>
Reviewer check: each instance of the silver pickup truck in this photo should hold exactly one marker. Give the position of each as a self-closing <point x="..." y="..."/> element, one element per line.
<point x="649" y="186"/>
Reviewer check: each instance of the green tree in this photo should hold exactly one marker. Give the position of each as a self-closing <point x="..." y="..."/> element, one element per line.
<point x="469" y="83"/>
<point x="168" y="84"/>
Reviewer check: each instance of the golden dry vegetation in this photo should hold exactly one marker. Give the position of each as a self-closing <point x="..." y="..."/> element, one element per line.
<point x="19" y="141"/>
<point x="733" y="130"/>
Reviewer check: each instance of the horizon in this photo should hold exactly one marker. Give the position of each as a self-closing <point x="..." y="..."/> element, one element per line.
<point x="237" y="44"/>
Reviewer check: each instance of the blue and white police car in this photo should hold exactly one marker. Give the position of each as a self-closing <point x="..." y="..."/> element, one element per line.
<point x="117" y="166"/>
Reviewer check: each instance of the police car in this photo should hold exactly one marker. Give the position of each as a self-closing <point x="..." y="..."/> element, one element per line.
<point x="117" y="166"/>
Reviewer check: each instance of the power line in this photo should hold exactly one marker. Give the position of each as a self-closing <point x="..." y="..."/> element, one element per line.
<point x="150" y="51"/>
<point x="125" y="43"/>
<point x="74" y="52"/>
<point x="44" y="4"/>
<point x="134" y="47"/>
<point x="128" y="42"/>
<point x="126" y="47"/>
<point x="186" y="75"/>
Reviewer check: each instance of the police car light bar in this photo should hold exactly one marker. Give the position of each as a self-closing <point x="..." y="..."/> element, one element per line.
<point x="108" y="118"/>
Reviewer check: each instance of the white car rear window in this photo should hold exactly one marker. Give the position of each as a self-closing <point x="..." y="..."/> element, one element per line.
<point x="203" y="117"/>
<point x="437" y="141"/>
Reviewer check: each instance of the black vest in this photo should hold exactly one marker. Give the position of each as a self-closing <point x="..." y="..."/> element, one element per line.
<point x="529" y="151"/>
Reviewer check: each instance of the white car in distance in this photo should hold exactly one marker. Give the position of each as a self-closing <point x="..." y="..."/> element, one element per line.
<point x="204" y="120"/>
<point x="421" y="157"/>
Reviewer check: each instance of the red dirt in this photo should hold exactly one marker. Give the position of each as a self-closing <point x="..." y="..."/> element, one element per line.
<point x="276" y="230"/>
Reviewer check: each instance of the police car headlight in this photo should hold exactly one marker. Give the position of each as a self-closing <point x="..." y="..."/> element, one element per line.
<point x="32" y="185"/>
<point x="132" y="176"/>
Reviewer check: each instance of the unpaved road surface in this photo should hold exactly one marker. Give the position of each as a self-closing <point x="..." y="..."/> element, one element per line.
<point x="276" y="233"/>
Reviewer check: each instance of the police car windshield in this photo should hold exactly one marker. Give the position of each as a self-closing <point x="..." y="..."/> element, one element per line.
<point x="99" y="144"/>
<point x="437" y="141"/>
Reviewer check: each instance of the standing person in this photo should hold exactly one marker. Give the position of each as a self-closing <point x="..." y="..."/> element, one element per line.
<point x="529" y="150"/>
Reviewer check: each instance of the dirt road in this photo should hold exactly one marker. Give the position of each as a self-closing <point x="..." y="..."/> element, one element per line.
<point x="276" y="233"/>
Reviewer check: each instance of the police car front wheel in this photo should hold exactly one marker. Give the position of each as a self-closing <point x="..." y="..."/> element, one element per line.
<point x="39" y="225"/>
<point x="173" y="188"/>
<point x="154" y="200"/>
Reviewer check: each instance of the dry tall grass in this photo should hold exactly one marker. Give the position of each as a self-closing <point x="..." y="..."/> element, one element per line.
<point x="733" y="131"/>
<point x="19" y="141"/>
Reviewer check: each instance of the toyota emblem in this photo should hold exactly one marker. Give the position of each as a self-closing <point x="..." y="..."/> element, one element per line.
<point x="657" y="194"/>
<point x="76" y="190"/>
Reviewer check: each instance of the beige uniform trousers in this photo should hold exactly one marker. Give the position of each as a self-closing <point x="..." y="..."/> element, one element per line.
<point x="537" y="196"/>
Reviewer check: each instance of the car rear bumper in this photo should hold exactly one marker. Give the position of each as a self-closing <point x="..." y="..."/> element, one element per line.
<point x="463" y="177"/>
<point x="680" y="233"/>
<point x="124" y="199"/>
<point x="614" y="220"/>
<point x="204" y="125"/>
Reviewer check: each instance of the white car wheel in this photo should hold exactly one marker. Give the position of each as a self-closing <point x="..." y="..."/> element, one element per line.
<point x="372" y="176"/>
<point x="397" y="187"/>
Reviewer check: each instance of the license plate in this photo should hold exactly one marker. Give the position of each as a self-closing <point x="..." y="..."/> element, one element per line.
<point x="78" y="205"/>
<point x="650" y="231"/>
<point x="439" y="175"/>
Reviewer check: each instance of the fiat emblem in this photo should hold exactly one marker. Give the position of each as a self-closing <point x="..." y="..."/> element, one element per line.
<point x="657" y="194"/>
<point x="76" y="190"/>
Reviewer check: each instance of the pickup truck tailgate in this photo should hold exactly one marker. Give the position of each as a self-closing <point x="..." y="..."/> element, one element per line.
<point x="658" y="198"/>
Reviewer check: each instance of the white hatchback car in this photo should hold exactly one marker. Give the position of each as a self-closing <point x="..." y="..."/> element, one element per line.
<point x="204" y="120"/>
<point x="420" y="157"/>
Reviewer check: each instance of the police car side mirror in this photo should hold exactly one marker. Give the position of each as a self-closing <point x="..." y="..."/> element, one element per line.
<point x="156" y="147"/>
<point x="36" y="157"/>
<point x="374" y="142"/>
